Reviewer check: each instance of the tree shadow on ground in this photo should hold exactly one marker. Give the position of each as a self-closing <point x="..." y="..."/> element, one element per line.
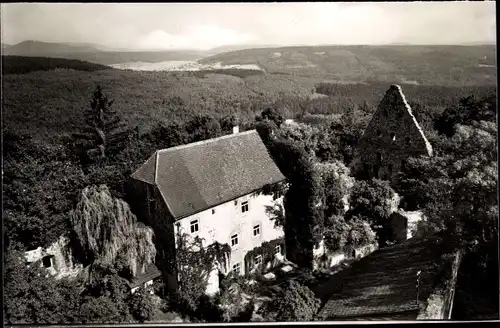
<point x="246" y="314"/>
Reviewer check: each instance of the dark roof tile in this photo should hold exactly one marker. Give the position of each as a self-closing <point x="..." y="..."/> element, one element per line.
<point x="150" y="273"/>
<point x="385" y="281"/>
<point x="200" y="175"/>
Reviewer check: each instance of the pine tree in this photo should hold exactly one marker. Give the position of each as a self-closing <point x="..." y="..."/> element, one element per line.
<point x="104" y="134"/>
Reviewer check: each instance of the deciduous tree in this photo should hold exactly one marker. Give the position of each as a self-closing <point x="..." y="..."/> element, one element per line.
<point x="295" y="302"/>
<point x="141" y="305"/>
<point x="271" y="114"/>
<point x="195" y="262"/>
<point x="372" y="200"/>
<point x="106" y="228"/>
<point x="34" y="297"/>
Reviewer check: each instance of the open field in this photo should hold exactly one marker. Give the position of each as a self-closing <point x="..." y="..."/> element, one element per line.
<point x="405" y="64"/>
<point x="435" y="65"/>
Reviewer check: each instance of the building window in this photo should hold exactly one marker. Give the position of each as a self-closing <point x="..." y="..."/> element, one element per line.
<point x="256" y="230"/>
<point x="257" y="260"/>
<point x="236" y="269"/>
<point x="244" y="207"/>
<point x="47" y="261"/>
<point x="194" y="226"/>
<point x="234" y="240"/>
<point x="277" y="249"/>
<point x="213" y="211"/>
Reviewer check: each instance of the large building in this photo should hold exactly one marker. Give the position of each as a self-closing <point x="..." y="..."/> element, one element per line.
<point x="214" y="189"/>
<point x="392" y="136"/>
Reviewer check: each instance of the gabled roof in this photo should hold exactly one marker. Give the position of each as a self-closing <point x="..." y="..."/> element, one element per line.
<point x="200" y="175"/>
<point x="384" y="283"/>
<point x="395" y="105"/>
<point x="150" y="273"/>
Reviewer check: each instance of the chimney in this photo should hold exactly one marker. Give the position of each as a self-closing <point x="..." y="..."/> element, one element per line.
<point x="236" y="129"/>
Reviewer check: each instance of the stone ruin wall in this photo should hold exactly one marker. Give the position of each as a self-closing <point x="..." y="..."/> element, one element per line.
<point x="392" y="136"/>
<point x="59" y="256"/>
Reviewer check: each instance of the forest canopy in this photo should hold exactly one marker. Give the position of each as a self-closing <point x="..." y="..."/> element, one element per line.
<point x="50" y="191"/>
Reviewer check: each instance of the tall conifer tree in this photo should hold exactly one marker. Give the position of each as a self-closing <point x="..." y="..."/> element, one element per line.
<point x="104" y="134"/>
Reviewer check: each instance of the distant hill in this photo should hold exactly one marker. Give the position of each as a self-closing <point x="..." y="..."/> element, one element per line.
<point x="88" y="45"/>
<point x="228" y="48"/>
<point x="22" y="65"/>
<point x="479" y="43"/>
<point x="443" y="65"/>
<point x="38" y="48"/>
<point x="96" y="53"/>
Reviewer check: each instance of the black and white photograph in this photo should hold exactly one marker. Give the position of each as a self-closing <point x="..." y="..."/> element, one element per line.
<point x="265" y="162"/>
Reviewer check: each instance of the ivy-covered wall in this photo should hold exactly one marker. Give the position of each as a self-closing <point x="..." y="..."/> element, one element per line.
<point x="267" y="252"/>
<point x="331" y="258"/>
<point x="221" y="223"/>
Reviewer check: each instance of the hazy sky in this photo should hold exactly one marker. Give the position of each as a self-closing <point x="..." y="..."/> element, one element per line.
<point x="202" y="26"/>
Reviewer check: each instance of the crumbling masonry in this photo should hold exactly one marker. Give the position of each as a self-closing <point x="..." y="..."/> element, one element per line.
<point x="392" y="136"/>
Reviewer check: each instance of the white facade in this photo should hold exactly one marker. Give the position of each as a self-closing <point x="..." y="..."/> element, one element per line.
<point x="145" y="285"/>
<point x="242" y="223"/>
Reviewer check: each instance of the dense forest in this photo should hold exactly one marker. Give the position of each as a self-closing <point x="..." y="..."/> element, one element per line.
<point x="50" y="104"/>
<point x="59" y="171"/>
<point x="433" y="65"/>
<point x="22" y="65"/>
